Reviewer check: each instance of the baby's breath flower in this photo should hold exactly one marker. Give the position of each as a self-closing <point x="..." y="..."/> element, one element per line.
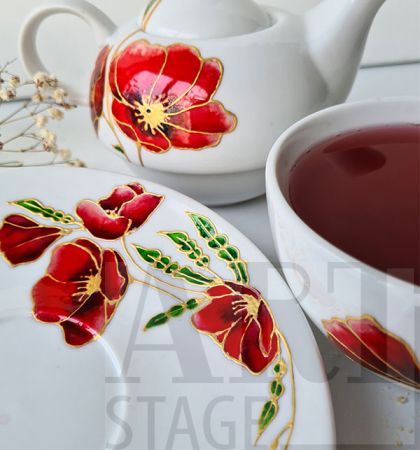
<point x="40" y="79"/>
<point x="4" y="95"/>
<point x="38" y="97"/>
<point x="40" y="120"/>
<point x="52" y="81"/>
<point x="49" y="102"/>
<point x="14" y="81"/>
<point x="7" y="94"/>
<point x="59" y="95"/>
<point x="65" y="154"/>
<point x="48" y="139"/>
<point x="77" y="163"/>
<point x="55" y="113"/>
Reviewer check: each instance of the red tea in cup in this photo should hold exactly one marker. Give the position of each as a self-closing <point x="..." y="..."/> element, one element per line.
<point x="361" y="191"/>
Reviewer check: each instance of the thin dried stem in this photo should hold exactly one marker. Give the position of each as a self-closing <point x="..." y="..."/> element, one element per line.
<point x="49" y="163"/>
<point x="11" y="164"/>
<point x="31" y="115"/>
<point x="19" y="135"/>
<point x="46" y="96"/>
<point x="13" y="114"/>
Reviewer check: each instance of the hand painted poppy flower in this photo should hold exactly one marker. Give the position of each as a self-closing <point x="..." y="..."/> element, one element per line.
<point x="81" y="290"/>
<point x="97" y="87"/>
<point x="23" y="240"/>
<point x="123" y="211"/>
<point x="240" y="322"/>
<point x="365" y="341"/>
<point x="163" y="97"/>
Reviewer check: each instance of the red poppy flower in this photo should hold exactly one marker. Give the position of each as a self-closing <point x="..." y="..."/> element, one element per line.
<point x="240" y="322"/>
<point x="97" y="87"/>
<point x="365" y="341"/>
<point x="163" y="97"/>
<point x="82" y="289"/>
<point x="123" y="211"/>
<point x="23" y="240"/>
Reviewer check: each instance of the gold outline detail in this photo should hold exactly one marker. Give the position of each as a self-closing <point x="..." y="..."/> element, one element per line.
<point x="116" y="57"/>
<point x="291" y="424"/>
<point x="128" y="231"/>
<point x="97" y="120"/>
<point x="220" y="344"/>
<point x="240" y="259"/>
<point x="115" y="303"/>
<point x="149" y="13"/>
<point x="62" y="231"/>
<point x="15" y="203"/>
<point x="106" y="301"/>
<point x="206" y="267"/>
<point x="403" y="378"/>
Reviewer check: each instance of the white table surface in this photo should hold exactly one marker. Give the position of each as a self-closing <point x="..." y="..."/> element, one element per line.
<point x="370" y="413"/>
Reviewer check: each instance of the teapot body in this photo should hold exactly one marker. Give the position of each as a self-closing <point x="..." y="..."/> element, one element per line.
<point x="227" y="99"/>
<point x="197" y="91"/>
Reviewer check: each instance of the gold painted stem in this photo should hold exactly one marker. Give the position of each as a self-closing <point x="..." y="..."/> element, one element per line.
<point x="148" y="15"/>
<point x="139" y="155"/>
<point x="142" y="282"/>
<point x="108" y="115"/>
<point x="125" y="247"/>
<point x="212" y="272"/>
<point x="290" y="425"/>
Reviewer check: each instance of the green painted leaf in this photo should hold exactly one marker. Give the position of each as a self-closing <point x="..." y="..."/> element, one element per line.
<point x="189" y="247"/>
<point x="175" y="311"/>
<point x="268" y="414"/>
<point x="119" y="149"/>
<point x="192" y="304"/>
<point x="165" y="264"/>
<point x="219" y="243"/>
<point x="204" y="226"/>
<point x="189" y="275"/>
<point x="280" y="369"/>
<point x="273" y="386"/>
<point x="36" y="207"/>
<point x="155" y="321"/>
<point x="271" y="406"/>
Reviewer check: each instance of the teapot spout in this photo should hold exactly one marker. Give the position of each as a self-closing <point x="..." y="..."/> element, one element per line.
<point x="337" y="33"/>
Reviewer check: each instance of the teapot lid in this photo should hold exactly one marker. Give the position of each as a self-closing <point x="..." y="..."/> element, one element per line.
<point x="203" y="19"/>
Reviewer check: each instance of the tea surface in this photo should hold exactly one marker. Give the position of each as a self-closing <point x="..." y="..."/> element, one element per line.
<point x="361" y="192"/>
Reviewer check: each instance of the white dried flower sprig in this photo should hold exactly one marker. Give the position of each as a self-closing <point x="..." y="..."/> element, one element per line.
<point x="47" y="102"/>
<point x="40" y="120"/>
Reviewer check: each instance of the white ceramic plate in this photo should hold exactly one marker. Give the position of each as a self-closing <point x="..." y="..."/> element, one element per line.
<point x="77" y="377"/>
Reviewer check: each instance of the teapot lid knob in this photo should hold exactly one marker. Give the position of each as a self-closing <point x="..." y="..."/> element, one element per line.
<point x="203" y="19"/>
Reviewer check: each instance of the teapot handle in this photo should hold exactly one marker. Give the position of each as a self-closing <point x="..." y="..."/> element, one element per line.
<point x="100" y="24"/>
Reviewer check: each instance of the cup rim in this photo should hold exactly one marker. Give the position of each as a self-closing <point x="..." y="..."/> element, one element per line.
<point x="277" y="197"/>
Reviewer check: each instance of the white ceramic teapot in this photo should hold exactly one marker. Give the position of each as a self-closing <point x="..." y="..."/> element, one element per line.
<point x="197" y="91"/>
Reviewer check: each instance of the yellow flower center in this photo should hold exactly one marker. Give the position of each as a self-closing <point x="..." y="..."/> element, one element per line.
<point x="249" y="304"/>
<point x="152" y="114"/>
<point x="113" y="214"/>
<point x="90" y="286"/>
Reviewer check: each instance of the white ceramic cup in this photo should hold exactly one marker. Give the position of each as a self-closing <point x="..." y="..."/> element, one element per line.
<point x="372" y="316"/>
